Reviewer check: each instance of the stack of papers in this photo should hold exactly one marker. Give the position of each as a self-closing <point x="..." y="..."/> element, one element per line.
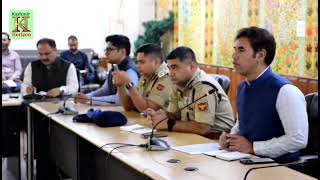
<point x="10" y="83"/>
<point x="228" y="155"/>
<point x="212" y="149"/>
<point x="197" y="148"/>
<point x="136" y="128"/>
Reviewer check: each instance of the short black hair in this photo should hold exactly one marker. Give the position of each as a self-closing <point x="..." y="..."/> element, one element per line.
<point x="7" y="35"/>
<point x="120" y="41"/>
<point x="73" y="38"/>
<point x="151" y="49"/>
<point x="48" y="41"/>
<point x="259" y="39"/>
<point x="183" y="53"/>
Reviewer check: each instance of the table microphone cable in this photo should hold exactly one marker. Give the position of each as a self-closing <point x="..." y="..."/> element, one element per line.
<point x="121" y="145"/>
<point x="261" y="167"/>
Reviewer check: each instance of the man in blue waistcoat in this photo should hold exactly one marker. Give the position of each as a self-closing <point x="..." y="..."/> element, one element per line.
<point x="272" y="118"/>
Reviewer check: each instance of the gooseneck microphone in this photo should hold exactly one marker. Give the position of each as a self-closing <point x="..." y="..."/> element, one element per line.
<point x="66" y="110"/>
<point x="110" y="102"/>
<point x="156" y="144"/>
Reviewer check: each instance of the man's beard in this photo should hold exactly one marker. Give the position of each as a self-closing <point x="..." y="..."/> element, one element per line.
<point x="73" y="50"/>
<point x="5" y="46"/>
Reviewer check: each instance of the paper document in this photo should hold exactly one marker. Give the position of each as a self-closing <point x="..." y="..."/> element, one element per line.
<point x="197" y="148"/>
<point x="5" y="97"/>
<point x="136" y="128"/>
<point x="227" y="155"/>
<point x="10" y="83"/>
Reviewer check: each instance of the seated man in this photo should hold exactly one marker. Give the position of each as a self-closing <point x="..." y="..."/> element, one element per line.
<point x="50" y="74"/>
<point x="11" y="66"/>
<point x="154" y="86"/>
<point x="117" y="52"/>
<point x="207" y="117"/>
<point x="272" y="118"/>
<point x="80" y="60"/>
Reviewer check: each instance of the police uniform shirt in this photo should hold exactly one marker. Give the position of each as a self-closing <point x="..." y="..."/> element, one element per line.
<point x="218" y="115"/>
<point x="157" y="88"/>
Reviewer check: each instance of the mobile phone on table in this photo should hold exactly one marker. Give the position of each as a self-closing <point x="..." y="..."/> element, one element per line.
<point x="257" y="161"/>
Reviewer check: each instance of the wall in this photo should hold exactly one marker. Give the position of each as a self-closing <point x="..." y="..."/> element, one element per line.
<point x="91" y="21"/>
<point x="209" y="28"/>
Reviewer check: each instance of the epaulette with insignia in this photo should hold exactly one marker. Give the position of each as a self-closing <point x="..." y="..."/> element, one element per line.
<point x="161" y="73"/>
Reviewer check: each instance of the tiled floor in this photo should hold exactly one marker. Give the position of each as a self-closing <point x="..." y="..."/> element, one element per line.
<point x="8" y="175"/>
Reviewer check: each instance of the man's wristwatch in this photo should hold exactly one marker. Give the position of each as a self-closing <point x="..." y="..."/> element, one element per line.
<point x="171" y="123"/>
<point x="62" y="90"/>
<point x="129" y="86"/>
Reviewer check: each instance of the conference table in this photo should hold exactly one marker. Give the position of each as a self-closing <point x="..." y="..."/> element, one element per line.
<point x="12" y="118"/>
<point x="56" y="142"/>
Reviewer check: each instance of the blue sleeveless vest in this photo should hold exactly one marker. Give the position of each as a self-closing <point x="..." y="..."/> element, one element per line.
<point x="257" y="113"/>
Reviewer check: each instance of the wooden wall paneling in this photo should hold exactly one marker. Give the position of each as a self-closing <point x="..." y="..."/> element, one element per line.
<point x="312" y="86"/>
<point x="306" y="85"/>
<point x="302" y="85"/>
<point x="293" y="80"/>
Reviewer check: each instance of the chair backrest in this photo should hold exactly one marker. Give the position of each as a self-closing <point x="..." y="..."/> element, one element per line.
<point x="79" y="80"/>
<point x="312" y="110"/>
<point x="223" y="80"/>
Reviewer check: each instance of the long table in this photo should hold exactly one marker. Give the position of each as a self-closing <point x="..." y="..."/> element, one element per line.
<point x="11" y="121"/>
<point x="75" y="149"/>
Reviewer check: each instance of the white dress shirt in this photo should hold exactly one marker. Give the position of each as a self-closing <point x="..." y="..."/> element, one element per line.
<point x="291" y="107"/>
<point x="71" y="82"/>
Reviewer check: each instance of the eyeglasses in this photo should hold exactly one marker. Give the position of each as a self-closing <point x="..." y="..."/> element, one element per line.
<point x="109" y="50"/>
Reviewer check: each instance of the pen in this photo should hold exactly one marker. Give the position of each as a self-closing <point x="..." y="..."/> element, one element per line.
<point x="144" y="114"/>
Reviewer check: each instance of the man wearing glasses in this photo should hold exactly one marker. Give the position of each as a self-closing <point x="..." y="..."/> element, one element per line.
<point x="50" y="74"/>
<point x="117" y="52"/>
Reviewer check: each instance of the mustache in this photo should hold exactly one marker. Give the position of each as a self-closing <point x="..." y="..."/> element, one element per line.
<point x="5" y="46"/>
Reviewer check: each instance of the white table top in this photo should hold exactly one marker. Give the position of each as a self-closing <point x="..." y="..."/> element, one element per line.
<point x="8" y="100"/>
<point x="153" y="163"/>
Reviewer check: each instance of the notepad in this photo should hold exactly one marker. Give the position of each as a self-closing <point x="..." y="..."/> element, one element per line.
<point x="227" y="155"/>
<point x="136" y="128"/>
<point x="10" y="83"/>
<point x="211" y="149"/>
<point x="197" y="148"/>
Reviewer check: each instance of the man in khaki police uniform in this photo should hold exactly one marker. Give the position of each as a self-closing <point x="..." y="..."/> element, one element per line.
<point x="154" y="87"/>
<point x="209" y="116"/>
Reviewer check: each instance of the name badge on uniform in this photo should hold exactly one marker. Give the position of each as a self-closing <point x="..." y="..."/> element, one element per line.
<point x="187" y="100"/>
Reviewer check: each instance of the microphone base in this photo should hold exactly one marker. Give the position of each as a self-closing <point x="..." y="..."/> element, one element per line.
<point x="67" y="111"/>
<point x="156" y="144"/>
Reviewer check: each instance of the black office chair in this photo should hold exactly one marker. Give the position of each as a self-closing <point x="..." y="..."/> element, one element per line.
<point x="79" y="80"/>
<point x="309" y="155"/>
<point x="223" y="80"/>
